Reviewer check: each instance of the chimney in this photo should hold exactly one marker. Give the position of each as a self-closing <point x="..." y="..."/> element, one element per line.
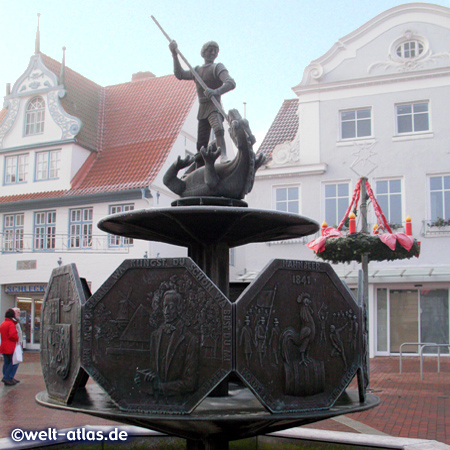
<point x="140" y="76"/>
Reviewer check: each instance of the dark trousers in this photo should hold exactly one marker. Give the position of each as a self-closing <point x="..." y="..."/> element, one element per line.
<point x="9" y="369"/>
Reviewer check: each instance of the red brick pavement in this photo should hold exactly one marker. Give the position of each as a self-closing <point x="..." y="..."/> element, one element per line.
<point x="409" y="407"/>
<point x="18" y="408"/>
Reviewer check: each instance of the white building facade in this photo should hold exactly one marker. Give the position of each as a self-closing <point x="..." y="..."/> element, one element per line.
<point x="375" y="104"/>
<point x="71" y="153"/>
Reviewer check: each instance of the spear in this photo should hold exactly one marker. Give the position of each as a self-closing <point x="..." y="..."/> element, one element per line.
<point x="194" y="73"/>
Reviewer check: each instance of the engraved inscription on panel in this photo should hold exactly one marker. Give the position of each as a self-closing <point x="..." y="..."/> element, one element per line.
<point x="298" y="336"/>
<point x="157" y="335"/>
<point x="58" y="345"/>
<point x="61" y="333"/>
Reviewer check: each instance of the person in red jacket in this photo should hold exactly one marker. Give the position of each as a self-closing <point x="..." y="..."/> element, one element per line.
<point x="9" y="339"/>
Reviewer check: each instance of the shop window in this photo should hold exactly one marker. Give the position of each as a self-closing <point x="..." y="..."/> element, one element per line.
<point x="382" y="321"/>
<point x="434" y="323"/>
<point x="120" y="241"/>
<point x="232" y="257"/>
<point x="30" y="320"/>
<point x="412" y="316"/>
<point x="404" y="318"/>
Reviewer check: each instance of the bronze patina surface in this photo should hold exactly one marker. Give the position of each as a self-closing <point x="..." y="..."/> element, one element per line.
<point x="61" y="333"/>
<point x="299" y="338"/>
<point x="237" y="416"/>
<point x="204" y="225"/>
<point x="157" y="336"/>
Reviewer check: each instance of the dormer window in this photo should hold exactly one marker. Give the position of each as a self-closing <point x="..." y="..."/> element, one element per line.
<point x="35" y="117"/>
<point x="48" y="165"/>
<point x="410" y="49"/>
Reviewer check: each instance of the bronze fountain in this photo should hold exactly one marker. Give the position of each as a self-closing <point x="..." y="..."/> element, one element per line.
<point x="167" y="347"/>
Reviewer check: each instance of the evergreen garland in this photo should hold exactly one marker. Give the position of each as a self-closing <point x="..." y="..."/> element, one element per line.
<point x="353" y="246"/>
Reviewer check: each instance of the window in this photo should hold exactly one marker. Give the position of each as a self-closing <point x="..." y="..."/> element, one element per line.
<point x="382" y="320"/>
<point x="80" y="228"/>
<point x="35" y="117"/>
<point x="120" y="241"/>
<point x="356" y="123"/>
<point x="13" y="232"/>
<point x="409" y="50"/>
<point x="47" y="165"/>
<point x="412" y="118"/>
<point x="440" y="197"/>
<point x="16" y="169"/>
<point x="44" y="230"/>
<point x="389" y="196"/>
<point x="336" y="202"/>
<point x="411" y="315"/>
<point x="287" y="199"/>
<point x="232" y="257"/>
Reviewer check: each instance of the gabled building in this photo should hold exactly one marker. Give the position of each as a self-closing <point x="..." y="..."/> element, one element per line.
<point x="375" y="104"/>
<point x="72" y="152"/>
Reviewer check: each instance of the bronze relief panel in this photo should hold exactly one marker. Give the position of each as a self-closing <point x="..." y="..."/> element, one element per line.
<point x="61" y="333"/>
<point x="157" y="336"/>
<point x="298" y="336"/>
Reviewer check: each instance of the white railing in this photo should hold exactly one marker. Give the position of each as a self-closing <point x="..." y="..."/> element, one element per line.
<point x="63" y="243"/>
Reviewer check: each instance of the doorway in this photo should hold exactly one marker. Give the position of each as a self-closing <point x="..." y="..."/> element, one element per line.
<point x="30" y="320"/>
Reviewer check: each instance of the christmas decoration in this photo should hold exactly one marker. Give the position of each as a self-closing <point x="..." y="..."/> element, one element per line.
<point x="383" y="245"/>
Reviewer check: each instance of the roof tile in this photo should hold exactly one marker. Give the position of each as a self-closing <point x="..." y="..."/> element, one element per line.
<point x="131" y="127"/>
<point x="283" y="128"/>
<point x="32" y="196"/>
<point x="141" y="123"/>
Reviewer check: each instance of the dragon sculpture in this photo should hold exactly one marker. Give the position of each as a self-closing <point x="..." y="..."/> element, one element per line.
<point x="207" y="178"/>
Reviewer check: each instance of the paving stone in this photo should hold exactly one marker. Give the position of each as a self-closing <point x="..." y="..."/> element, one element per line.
<point x="409" y="407"/>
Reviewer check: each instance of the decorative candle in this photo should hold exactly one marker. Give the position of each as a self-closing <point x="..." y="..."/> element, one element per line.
<point x="408" y="226"/>
<point x="324" y="227"/>
<point x="375" y="228"/>
<point x="352" y="223"/>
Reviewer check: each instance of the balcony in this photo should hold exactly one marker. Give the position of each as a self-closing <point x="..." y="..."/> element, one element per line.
<point x="63" y="243"/>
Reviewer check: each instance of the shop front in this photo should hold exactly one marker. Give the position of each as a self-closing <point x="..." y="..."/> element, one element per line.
<point x="28" y="298"/>
<point x="416" y="314"/>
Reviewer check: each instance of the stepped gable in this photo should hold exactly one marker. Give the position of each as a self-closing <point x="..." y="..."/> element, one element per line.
<point x="283" y="128"/>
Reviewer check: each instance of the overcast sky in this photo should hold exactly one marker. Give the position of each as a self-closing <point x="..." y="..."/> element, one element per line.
<point x="265" y="45"/>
